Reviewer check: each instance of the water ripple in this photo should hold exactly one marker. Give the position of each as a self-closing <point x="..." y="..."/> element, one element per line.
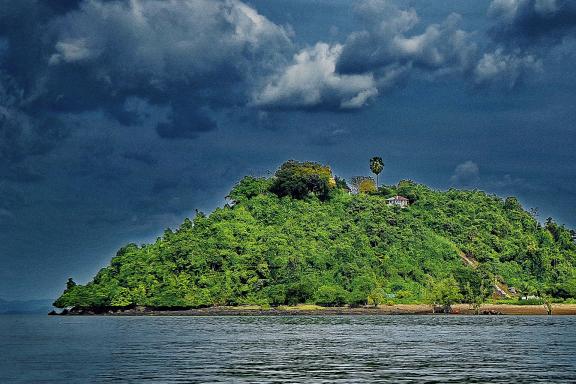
<point x="311" y="349"/>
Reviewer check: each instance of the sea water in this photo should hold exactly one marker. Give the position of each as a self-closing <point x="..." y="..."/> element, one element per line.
<point x="288" y="349"/>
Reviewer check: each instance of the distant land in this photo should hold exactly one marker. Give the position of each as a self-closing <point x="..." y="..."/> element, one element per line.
<point x="307" y="237"/>
<point x="25" y="306"/>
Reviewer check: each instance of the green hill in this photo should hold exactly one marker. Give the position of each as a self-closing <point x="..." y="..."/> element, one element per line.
<point x="301" y="237"/>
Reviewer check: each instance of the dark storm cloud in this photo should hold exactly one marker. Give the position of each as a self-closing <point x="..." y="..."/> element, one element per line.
<point x="185" y="124"/>
<point x="71" y="57"/>
<point x="389" y="41"/>
<point x="23" y="135"/>
<point x="525" y="22"/>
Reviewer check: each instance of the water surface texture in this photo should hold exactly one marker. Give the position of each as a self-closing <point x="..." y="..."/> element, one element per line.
<point x="311" y="349"/>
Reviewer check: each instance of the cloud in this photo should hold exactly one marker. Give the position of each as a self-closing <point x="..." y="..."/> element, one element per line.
<point x="371" y="61"/>
<point x="188" y="56"/>
<point x="310" y="81"/>
<point x="466" y="174"/>
<point x="525" y="22"/>
<point x="23" y="135"/>
<point x="185" y="124"/>
<point x="389" y="40"/>
<point x="158" y="43"/>
<point x="392" y="47"/>
<point x="177" y="52"/>
<point x="506" y="69"/>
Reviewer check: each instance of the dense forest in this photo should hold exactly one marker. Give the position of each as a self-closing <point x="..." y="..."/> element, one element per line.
<point x="302" y="236"/>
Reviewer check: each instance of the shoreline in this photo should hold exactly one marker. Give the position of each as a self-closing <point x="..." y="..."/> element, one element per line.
<point x="311" y="310"/>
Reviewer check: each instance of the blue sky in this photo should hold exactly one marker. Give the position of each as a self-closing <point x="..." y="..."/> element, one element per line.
<point x="120" y="118"/>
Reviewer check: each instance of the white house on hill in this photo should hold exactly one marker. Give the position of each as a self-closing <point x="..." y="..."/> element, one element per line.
<point x="399" y="201"/>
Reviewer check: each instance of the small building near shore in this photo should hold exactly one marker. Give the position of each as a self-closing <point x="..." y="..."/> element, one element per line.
<point x="399" y="201"/>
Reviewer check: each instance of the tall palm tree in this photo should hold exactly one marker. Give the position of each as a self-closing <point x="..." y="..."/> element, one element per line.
<point x="376" y="166"/>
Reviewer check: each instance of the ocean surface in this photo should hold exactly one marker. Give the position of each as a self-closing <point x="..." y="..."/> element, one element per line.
<point x="307" y="349"/>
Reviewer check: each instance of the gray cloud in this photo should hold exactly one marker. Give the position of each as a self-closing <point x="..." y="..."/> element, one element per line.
<point x="505" y="68"/>
<point x="524" y="32"/>
<point x="392" y="47"/>
<point x="185" y="55"/>
<point x="185" y="124"/>
<point x="527" y="21"/>
<point x="347" y="76"/>
<point x="390" y="40"/>
<point x="23" y="135"/>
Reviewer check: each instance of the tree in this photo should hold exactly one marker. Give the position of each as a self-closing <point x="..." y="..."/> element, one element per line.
<point x="247" y="188"/>
<point x="475" y="285"/>
<point x="367" y="186"/>
<point x="355" y="182"/>
<point x="443" y="292"/>
<point x="376" y="297"/>
<point x="341" y="184"/>
<point x="511" y="203"/>
<point x="376" y="166"/>
<point x="331" y="295"/>
<point x="70" y="284"/>
<point x="299" y="179"/>
<point x="475" y="296"/>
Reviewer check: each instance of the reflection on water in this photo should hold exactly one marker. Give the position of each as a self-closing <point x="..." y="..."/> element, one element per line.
<point x="353" y="349"/>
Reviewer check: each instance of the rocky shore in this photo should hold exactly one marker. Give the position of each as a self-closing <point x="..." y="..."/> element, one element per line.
<point x="311" y="310"/>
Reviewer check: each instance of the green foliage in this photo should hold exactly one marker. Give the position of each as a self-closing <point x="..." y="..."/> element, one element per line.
<point x="248" y="188"/>
<point x="331" y="295"/>
<point x="282" y="248"/>
<point x="300" y="179"/>
<point x="443" y="292"/>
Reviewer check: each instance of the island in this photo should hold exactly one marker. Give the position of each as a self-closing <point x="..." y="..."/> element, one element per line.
<point x="306" y="241"/>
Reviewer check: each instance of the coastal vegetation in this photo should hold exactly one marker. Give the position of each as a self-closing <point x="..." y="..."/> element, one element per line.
<point x="301" y="237"/>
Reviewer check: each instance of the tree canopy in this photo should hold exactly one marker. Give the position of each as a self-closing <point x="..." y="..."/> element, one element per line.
<point x="300" y="179"/>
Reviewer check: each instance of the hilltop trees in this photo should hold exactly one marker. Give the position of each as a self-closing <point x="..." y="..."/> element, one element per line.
<point x="367" y="186"/>
<point x="357" y="181"/>
<point x="299" y="179"/>
<point x="248" y="188"/>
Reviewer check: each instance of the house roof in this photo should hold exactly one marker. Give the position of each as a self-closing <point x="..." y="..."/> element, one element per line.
<point x="401" y="198"/>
